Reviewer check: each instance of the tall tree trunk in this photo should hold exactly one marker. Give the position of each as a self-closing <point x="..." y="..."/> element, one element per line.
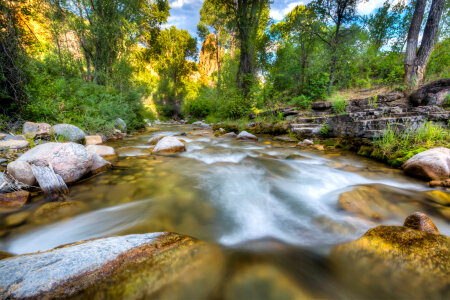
<point x="334" y="54"/>
<point x="245" y="72"/>
<point x="412" y="41"/>
<point x="428" y="41"/>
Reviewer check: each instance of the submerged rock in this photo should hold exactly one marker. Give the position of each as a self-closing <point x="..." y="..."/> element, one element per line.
<point x="69" y="132"/>
<point x="14" y="200"/>
<point x="133" y="267"/>
<point x="286" y="139"/>
<point x="21" y="171"/>
<point x="305" y="143"/>
<point x="169" y="144"/>
<point x="69" y="160"/>
<point x="244" y="135"/>
<point x="56" y="210"/>
<point x="101" y="150"/>
<point x="410" y="264"/>
<point x="230" y="134"/>
<point x="368" y="202"/>
<point x="433" y="164"/>
<point x="37" y="130"/>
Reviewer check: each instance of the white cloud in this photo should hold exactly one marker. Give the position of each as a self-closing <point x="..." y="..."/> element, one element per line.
<point x="278" y="14"/>
<point x="369" y="7"/>
<point x="181" y="3"/>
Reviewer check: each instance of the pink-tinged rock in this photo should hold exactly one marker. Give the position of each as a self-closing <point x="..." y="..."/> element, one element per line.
<point x="433" y="164"/>
<point x="244" y="135"/>
<point x="69" y="160"/>
<point x="14" y="144"/>
<point x="93" y="140"/>
<point x="21" y="171"/>
<point x="99" y="164"/>
<point x="14" y="200"/>
<point x="169" y="144"/>
<point x="101" y="150"/>
<point x="36" y="130"/>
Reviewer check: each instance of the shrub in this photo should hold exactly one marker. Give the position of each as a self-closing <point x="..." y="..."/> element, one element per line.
<point x="301" y="101"/>
<point x="339" y="104"/>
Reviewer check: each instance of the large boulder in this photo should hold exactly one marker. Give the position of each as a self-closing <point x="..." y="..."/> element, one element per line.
<point x="121" y="125"/>
<point x="69" y="160"/>
<point x="433" y="164"/>
<point x="101" y="150"/>
<point x="169" y="144"/>
<point x="433" y="93"/>
<point x="37" y="130"/>
<point x="21" y="171"/>
<point x="138" y="266"/>
<point x="14" y="144"/>
<point x="99" y="164"/>
<point x="395" y="262"/>
<point x="244" y="135"/>
<point x="69" y="132"/>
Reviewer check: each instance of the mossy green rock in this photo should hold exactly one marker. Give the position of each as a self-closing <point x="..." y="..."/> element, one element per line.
<point x="411" y="264"/>
<point x="139" y="266"/>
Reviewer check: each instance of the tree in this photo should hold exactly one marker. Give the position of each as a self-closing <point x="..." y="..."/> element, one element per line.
<point x="105" y="28"/>
<point x="244" y="17"/>
<point x="340" y="12"/>
<point x="170" y="51"/>
<point x="416" y="61"/>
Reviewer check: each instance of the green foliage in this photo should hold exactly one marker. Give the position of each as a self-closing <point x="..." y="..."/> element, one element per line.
<point x="93" y="107"/>
<point x="373" y="101"/>
<point x="324" y="130"/>
<point x="339" y="104"/>
<point x="301" y="101"/>
<point x="396" y="146"/>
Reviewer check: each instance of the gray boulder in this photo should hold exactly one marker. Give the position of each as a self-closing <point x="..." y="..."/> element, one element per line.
<point x="69" y="132"/>
<point x="37" y="130"/>
<point x="244" y="135"/>
<point x="14" y="144"/>
<point x="69" y="160"/>
<point x="21" y="171"/>
<point x="121" y="125"/>
<point x="169" y="144"/>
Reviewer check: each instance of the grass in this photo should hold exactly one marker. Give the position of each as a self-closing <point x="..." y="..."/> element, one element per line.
<point x="397" y="146"/>
<point x="339" y="104"/>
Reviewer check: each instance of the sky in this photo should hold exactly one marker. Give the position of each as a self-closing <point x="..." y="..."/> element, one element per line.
<point x="185" y="14"/>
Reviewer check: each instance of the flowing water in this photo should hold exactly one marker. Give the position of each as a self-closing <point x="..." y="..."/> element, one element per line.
<point x="221" y="190"/>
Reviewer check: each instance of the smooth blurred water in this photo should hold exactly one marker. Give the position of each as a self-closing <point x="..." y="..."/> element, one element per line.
<point x="220" y="190"/>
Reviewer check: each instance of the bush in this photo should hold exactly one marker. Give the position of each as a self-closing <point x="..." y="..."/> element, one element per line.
<point x="339" y="104"/>
<point x="301" y="101"/>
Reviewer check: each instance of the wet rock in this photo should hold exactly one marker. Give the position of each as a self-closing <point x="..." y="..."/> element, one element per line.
<point x="14" y="200"/>
<point x="386" y="257"/>
<point x="230" y="134"/>
<point x="69" y="160"/>
<point x="305" y="143"/>
<point x="201" y="124"/>
<point x="433" y="164"/>
<point x="318" y="147"/>
<point x="51" y="211"/>
<point x="69" y="132"/>
<point x="443" y="183"/>
<point x="368" y="202"/>
<point x="244" y="135"/>
<point x="37" y="130"/>
<point x="16" y="219"/>
<point x="420" y="221"/>
<point x="440" y="197"/>
<point x="21" y="171"/>
<point x="286" y="139"/>
<point x="134" y="267"/>
<point x="121" y="125"/>
<point x="14" y="144"/>
<point x="155" y="139"/>
<point x="93" y="140"/>
<point x="101" y="150"/>
<point x="2" y="136"/>
<point x="169" y="144"/>
<point x="5" y="184"/>
<point x="99" y="164"/>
